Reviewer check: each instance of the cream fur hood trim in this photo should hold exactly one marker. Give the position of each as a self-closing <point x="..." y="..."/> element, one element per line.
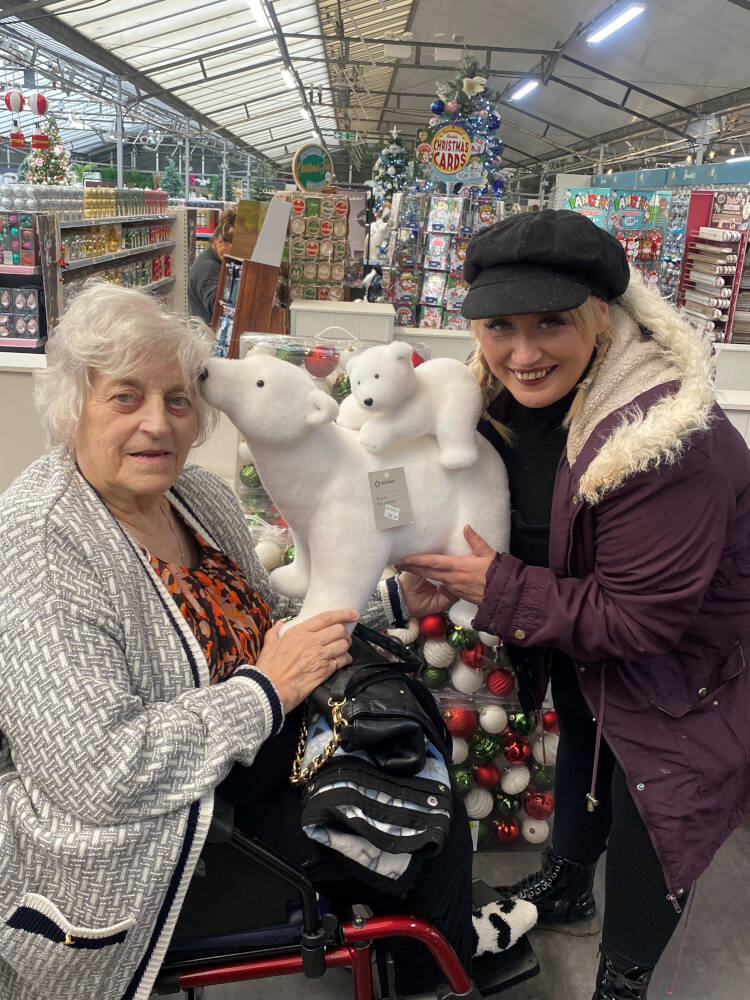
<point x="632" y="366"/>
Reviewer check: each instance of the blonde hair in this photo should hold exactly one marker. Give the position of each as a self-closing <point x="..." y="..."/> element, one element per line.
<point x="116" y="332"/>
<point x="225" y="228"/>
<point x="588" y="320"/>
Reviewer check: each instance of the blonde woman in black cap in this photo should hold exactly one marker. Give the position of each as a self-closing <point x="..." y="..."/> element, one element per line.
<point x="627" y="583"/>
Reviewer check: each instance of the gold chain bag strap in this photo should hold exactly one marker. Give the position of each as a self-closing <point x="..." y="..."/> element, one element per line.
<point x="301" y="775"/>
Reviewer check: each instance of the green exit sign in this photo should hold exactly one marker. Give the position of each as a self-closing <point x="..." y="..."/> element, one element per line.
<point x="345" y="136"/>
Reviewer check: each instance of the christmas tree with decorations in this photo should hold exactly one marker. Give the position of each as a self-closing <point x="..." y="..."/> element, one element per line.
<point x="466" y="101"/>
<point x="171" y="180"/>
<point x="51" y="165"/>
<point x="390" y="171"/>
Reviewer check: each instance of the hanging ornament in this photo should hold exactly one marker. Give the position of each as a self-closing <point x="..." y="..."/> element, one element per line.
<point x="39" y="140"/>
<point x="341" y="388"/>
<point x="14" y="101"/>
<point x="545" y="748"/>
<point x="535" y="831"/>
<point x="432" y="627"/>
<point x="438" y="653"/>
<point x="462" y="638"/>
<point x="269" y="554"/>
<point x="539" y="805"/>
<point x="507" y="830"/>
<point x="493" y="121"/>
<point x="493" y="718"/>
<point x="294" y="353"/>
<point x="289" y="555"/>
<point x="475" y="657"/>
<point x="249" y="476"/>
<point x="321" y="360"/>
<point x="500" y="683"/>
<point x="451" y="107"/>
<point x="391" y="171"/>
<point x="438" y="106"/>
<point x="550" y="722"/>
<point x="487" y="776"/>
<point x="498" y="185"/>
<point x="462" y="778"/>
<point x="517" y="750"/>
<point x="543" y="777"/>
<point x="37" y="104"/>
<point x="405" y="635"/>
<point x="460" y="721"/>
<point x="460" y="750"/>
<point x="461" y="613"/>
<point x="435" y="678"/>
<point x="17" y="139"/>
<point x="466" y="680"/>
<point x="483" y="114"/>
<point x="483" y="746"/>
<point x="506" y="805"/>
<point x="515" y="780"/>
<point x="522" y="723"/>
<point x="479" y="803"/>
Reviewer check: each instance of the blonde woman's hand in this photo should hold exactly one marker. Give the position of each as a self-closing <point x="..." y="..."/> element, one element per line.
<point x="306" y="654"/>
<point x="458" y="576"/>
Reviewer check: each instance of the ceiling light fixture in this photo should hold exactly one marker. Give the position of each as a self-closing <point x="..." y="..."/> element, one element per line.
<point x="524" y="89"/>
<point x="259" y="13"/>
<point x="286" y="76"/>
<point x="733" y="150"/>
<point x="711" y="154"/>
<point x="305" y="113"/>
<point x="610" y="27"/>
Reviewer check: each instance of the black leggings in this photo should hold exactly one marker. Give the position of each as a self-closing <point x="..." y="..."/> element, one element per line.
<point x="268" y="808"/>
<point x="638" y="919"/>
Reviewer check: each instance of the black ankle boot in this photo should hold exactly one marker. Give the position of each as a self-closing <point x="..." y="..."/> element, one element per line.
<point x="561" y="892"/>
<point x="619" y="979"/>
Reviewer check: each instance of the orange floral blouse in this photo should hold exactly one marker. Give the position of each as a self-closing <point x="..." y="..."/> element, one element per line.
<point x="227" y="617"/>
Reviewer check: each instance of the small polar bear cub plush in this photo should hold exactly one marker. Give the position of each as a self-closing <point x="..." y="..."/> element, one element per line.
<point x="393" y="401"/>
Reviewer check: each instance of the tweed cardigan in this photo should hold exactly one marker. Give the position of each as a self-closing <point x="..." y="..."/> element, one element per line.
<point x="111" y="739"/>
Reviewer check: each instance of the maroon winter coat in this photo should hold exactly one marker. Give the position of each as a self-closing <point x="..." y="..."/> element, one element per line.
<point x="648" y="588"/>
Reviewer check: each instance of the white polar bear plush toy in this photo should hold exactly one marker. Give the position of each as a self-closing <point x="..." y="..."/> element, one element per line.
<point x="393" y="401"/>
<point x="317" y="475"/>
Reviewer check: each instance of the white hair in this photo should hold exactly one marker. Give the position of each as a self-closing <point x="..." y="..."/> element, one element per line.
<point x="116" y="332"/>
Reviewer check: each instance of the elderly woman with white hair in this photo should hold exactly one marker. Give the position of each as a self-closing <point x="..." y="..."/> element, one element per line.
<point x="140" y="669"/>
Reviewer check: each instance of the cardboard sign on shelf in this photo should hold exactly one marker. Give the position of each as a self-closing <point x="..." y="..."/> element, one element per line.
<point x="312" y="167"/>
<point x="455" y="157"/>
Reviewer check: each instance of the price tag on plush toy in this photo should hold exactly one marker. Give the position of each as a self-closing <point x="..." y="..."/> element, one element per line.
<point x="390" y="498"/>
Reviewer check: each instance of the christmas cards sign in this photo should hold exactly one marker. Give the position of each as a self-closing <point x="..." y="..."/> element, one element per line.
<point x="455" y="156"/>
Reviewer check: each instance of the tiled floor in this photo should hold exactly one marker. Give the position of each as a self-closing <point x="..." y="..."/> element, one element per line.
<point x="715" y="963"/>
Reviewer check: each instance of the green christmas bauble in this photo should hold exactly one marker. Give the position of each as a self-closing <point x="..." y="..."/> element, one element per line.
<point x="289" y="555"/>
<point x="434" y="678"/>
<point x="249" y="476"/>
<point x="543" y="777"/>
<point x="484" y="747"/>
<point x="295" y="353"/>
<point x="483" y="833"/>
<point x="341" y="388"/>
<point x="522" y="723"/>
<point x="462" y="638"/>
<point x="506" y="806"/>
<point x="462" y="778"/>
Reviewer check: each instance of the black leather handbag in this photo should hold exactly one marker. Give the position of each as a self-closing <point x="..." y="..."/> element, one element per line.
<point x="375" y="705"/>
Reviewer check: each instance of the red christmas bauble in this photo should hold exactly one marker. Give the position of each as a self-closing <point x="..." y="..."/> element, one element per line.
<point x="460" y="721"/>
<point x="486" y="776"/>
<point x="416" y="359"/>
<point x="474" y="657"/>
<point x="432" y="627"/>
<point x="550" y="722"/>
<point x="507" y="830"/>
<point x="500" y="683"/>
<point x="321" y="360"/>
<point x="539" y="805"/>
<point x="517" y="750"/>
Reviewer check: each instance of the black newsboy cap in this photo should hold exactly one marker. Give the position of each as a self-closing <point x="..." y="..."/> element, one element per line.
<point x="541" y="262"/>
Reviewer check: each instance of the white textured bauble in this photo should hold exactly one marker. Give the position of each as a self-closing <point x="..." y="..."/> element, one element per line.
<point x="461" y="613"/>
<point x="405" y="635"/>
<point x="535" y="831"/>
<point x="479" y="803"/>
<point x="489" y="640"/>
<point x="244" y="453"/>
<point x="438" y="653"/>
<point x="544" y="748"/>
<point x="466" y="680"/>
<point x="493" y="718"/>
<point x="270" y="555"/>
<point x="460" y="750"/>
<point x="515" y="780"/>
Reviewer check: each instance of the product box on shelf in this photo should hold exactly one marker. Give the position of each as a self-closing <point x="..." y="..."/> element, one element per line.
<point x="20" y="313"/>
<point x="431" y="317"/>
<point x="17" y="240"/>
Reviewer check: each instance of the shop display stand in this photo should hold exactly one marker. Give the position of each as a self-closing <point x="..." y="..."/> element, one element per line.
<point x="245" y="302"/>
<point x="711" y="270"/>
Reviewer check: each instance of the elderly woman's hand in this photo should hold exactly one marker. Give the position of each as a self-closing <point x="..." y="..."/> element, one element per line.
<point x="306" y="654"/>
